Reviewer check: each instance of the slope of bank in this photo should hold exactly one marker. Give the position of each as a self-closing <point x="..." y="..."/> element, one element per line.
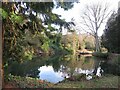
<point x="108" y="81"/>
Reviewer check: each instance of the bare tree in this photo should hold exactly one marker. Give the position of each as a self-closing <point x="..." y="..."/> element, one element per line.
<point x="93" y="17"/>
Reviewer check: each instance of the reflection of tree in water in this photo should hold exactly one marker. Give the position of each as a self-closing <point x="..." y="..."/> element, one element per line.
<point x="76" y="62"/>
<point x="61" y="63"/>
<point x="68" y="65"/>
<point x="72" y="64"/>
<point x="55" y="61"/>
<point x="111" y="68"/>
<point x="28" y="68"/>
<point x="85" y="62"/>
<point x="97" y="64"/>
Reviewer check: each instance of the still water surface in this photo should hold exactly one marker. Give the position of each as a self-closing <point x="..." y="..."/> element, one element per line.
<point x="56" y="68"/>
<point x="70" y="65"/>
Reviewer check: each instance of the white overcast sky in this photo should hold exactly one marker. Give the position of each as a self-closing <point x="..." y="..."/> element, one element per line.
<point x="76" y="11"/>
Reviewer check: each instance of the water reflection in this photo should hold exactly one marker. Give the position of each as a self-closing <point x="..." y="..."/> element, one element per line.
<point x="47" y="73"/>
<point x="27" y="68"/>
<point x="56" y="68"/>
<point x="69" y="66"/>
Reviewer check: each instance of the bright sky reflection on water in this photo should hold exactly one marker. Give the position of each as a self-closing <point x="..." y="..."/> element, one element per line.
<point x="47" y="73"/>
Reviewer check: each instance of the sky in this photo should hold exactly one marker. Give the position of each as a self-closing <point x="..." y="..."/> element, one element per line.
<point x="78" y="8"/>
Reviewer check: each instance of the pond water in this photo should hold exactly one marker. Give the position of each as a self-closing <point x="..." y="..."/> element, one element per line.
<point x="70" y="65"/>
<point x="56" y="68"/>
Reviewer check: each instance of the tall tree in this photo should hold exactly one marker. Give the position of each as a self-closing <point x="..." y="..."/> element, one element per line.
<point x="19" y="17"/>
<point x="111" y="36"/>
<point x="93" y="18"/>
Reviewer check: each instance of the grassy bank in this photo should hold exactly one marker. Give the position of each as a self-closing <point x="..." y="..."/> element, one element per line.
<point x="25" y="82"/>
<point x="108" y="81"/>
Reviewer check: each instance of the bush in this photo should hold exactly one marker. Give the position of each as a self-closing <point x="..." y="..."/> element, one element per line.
<point x="104" y="50"/>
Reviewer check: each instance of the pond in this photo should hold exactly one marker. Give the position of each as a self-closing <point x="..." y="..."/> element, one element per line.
<point x="58" y="67"/>
<point x="70" y="65"/>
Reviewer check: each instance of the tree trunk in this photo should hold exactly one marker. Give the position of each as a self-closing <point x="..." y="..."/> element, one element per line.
<point x="1" y="65"/>
<point x="2" y="47"/>
<point x="97" y="46"/>
<point x="74" y="43"/>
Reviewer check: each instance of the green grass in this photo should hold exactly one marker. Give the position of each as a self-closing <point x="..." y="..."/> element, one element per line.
<point x="108" y="81"/>
<point x="27" y="82"/>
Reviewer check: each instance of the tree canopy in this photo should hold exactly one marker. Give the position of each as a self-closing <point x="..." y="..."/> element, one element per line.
<point x="111" y="36"/>
<point x="27" y="29"/>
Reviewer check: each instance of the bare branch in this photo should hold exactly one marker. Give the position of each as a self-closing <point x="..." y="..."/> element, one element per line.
<point x="91" y="21"/>
<point x="85" y="23"/>
<point x="93" y="18"/>
<point x="85" y="30"/>
<point x="95" y="15"/>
